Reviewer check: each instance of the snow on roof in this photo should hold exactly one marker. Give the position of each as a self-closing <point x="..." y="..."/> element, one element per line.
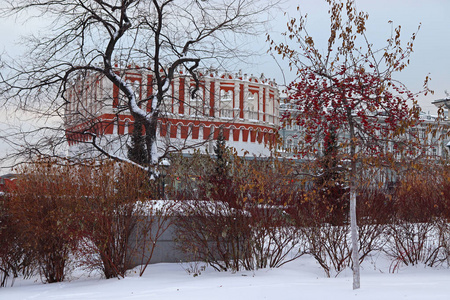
<point x="440" y="102"/>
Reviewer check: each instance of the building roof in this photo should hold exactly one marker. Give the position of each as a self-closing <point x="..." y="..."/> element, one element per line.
<point x="442" y="102"/>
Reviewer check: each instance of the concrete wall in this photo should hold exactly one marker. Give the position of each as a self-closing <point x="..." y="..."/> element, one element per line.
<point x="165" y="249"/>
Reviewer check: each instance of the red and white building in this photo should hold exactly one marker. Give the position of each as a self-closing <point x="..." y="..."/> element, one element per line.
<point x="245" y="108"/>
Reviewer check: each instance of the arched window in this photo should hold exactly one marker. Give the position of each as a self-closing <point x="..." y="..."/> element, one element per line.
<point x="252" y="105"/>
<point x="198" y="96"/>
<point x="126" y="129"/>
<point x="289" y="144"/>
<point x="136" y="86"/>
<point x="226" y="96"/>
<point x="196" y="102"/>
<point x="251" y="97"/>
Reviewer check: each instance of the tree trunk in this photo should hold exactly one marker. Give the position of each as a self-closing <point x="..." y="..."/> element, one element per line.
<point x="353" y="224"/>
<point x="354" y="236"/>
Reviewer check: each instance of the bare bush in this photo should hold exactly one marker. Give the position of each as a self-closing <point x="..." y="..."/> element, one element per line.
<point x="419" y="231"/>
<point x="241" y="221"/>
<point x="329" y="246"/>
<point x="374" y="212"/>
<point x="412" y="243"/>
<point x="213" y="232"/>
<point x="275" y="241"/>
<point x="15" y="257"/>
<point x="322" y="216"/>
<point x="89" y="212"/>
<point x="42" y="209"/>
<point x="111" y="211"/>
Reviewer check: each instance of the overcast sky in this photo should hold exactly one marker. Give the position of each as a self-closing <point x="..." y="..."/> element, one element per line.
<point x="431" y="50"/>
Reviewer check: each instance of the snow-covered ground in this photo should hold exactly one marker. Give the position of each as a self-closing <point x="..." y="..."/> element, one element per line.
<point x="301" y="279"/>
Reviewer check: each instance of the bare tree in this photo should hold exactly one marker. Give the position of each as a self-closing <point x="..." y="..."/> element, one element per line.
<point x="108" y="38"/>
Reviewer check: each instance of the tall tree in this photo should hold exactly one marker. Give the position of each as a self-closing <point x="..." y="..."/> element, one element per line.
<point x="220" y="150"/>
<point x="136" y="148"/>
<point x="348" y="86"/>
<point x="221" y="180"/>
<point x="329" y="161"/>
<point x="108" y="38"/>
<point x="330" y="183"/>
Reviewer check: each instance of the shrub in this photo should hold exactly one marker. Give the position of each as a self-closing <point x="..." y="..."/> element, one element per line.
<point x="15" y="257"/>
<point x="41" y="207"/>
<point x="374" y="212"/>
<point x="113" y="206"/>
<point x="419" y="231"/>
<point x="213" y="232"/>
<point x="241" y="221"/>
<point x="326" y="242"/>
<point x="322" y="217"/>
<point x="61" y="210"/>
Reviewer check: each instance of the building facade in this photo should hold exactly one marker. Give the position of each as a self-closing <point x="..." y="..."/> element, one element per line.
<point x="432" y="134"/>
<point x="444" y="104"/>
<point x="244" y="108"/>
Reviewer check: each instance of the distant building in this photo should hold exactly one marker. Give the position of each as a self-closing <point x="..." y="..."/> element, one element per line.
<point x="290" y="134"/>
<point x="438" y="145"/>
<point x="245" y="108"/>
<point x="444" y="104"/>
